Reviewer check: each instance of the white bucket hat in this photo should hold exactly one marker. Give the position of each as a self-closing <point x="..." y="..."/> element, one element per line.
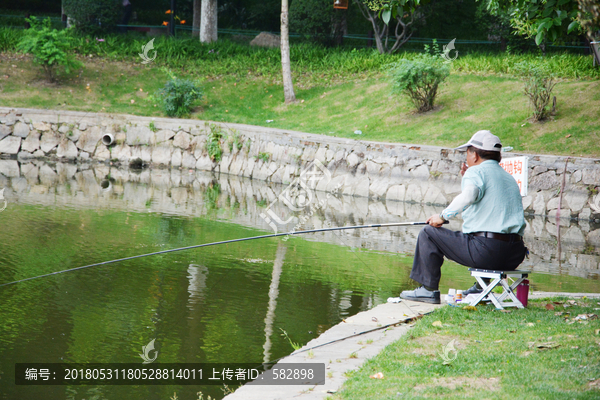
<point x="483" y="140"/>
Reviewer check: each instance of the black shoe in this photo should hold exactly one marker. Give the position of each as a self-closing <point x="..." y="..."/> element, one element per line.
<point x="475" y="289"/>
<point x="423" y="295"/>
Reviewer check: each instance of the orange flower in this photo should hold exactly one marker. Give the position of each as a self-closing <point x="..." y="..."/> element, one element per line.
<point x="165" y="23"/>
<point x="183" y="21"/>
<point x="168" y="12"/>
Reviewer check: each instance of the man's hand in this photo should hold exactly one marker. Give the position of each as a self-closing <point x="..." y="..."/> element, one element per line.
<point x="435" y="221"/>
<point x="463" y="169"/>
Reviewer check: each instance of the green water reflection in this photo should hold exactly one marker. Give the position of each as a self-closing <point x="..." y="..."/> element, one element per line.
<point x="205" y="305"/>
<point x="216" y="304"/>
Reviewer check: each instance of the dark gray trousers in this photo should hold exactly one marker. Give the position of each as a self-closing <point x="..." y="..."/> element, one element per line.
<point x="472" y="251"/>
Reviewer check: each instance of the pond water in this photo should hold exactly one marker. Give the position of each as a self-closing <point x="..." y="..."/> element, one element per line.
<point x="228" y="303"/>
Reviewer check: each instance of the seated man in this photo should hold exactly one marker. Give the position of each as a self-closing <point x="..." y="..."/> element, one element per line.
<point x="493" y="222"/>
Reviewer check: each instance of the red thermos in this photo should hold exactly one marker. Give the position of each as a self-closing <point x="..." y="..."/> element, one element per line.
<point x="523" y="292"/>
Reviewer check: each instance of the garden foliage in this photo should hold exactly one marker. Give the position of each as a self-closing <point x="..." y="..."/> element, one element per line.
<point x="539" y="83"/>
<point x="9" y="38"/>
<point x="312" y="19"/>
<point x="420" y="78"/>
<point x="93" y="16"/>
<point x="310" y="61"/>
<point x="49" y="47"/>
<point x="213" y="143"/>
<point x="542" y="19"/>
<point x="178" y="96"/>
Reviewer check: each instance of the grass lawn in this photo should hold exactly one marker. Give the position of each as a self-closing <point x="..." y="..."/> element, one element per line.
<point x="466" y="103"/>
<point x="542" y="352"/>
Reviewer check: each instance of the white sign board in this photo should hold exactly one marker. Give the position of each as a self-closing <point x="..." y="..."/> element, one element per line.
<point x="517" y="167"/>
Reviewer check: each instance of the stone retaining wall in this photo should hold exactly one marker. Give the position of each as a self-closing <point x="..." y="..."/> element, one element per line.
<point x="384" y="171"/>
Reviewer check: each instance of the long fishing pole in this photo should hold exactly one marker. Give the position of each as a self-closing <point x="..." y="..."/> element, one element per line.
<point x="339" y="228"/>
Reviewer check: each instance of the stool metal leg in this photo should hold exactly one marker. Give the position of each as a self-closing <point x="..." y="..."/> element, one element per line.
<point x="509" y="292"/>
<point x="512" y="287"/>
<point x="486" y="293"/>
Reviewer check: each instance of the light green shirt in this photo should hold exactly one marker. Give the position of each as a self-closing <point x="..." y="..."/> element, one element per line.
<point x="498" y="207"/>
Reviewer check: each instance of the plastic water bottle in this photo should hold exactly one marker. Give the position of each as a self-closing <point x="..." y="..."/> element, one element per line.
<point x="450" y="296"/>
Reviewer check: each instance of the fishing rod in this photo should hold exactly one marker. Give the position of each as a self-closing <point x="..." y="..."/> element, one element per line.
<point x="339" y="228"/>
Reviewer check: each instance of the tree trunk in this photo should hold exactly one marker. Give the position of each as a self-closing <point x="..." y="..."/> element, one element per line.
<point x="63" y="16"/>
<point x="339" y="26"/>
<point x="288" y="86"/>
<point x="372" y="18"/>
<point x="172" y="15"/>
<point x="208" y="21"/>
<point x="378" y="35"/>
<point x="196" y="18"/>
<point x="382" y="32"/>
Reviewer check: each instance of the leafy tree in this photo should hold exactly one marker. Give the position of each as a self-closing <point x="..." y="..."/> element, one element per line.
<point x="403" y="15"/>
<point x="93" y="16"/>
<point x="589" y="18"/>
<point x="445" y="20"/>
<point x="49" y="47"/>
<point x="543" y="19"/>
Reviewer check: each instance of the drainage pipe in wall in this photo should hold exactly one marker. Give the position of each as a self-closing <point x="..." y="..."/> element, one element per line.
<point x="108" y="139"/>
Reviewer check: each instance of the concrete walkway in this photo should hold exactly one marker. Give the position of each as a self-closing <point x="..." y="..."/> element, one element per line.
<point x="337" y="356"/>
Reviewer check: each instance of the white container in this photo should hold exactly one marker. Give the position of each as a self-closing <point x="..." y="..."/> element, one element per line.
<point x="450" y="296"/>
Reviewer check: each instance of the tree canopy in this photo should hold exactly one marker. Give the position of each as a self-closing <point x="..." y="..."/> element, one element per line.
<point x="549" y="20"/>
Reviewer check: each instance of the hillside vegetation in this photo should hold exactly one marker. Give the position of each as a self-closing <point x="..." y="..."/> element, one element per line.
<point x="340" y="91"/>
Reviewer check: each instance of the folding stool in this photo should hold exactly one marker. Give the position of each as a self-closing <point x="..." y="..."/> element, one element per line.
<point x="498" y="278"/>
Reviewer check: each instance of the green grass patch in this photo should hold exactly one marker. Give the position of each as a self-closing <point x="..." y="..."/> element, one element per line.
<point x="536" y="353"/>
<point x="339" y="92"/>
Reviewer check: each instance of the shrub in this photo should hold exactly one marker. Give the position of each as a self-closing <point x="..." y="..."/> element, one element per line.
<point x="419" y="79"/>
<point x="213" y="143"/>
<point x="178" y="95"/>
<point x="49" y="47"/>
<point x="93" y="16"/>
<point x="539" y="82"/>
